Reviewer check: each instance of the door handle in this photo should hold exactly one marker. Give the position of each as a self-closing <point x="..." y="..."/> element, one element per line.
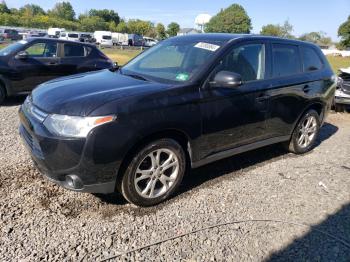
<point x="306" y="89"/>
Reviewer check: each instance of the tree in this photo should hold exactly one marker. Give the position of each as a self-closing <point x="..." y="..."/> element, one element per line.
<point x="137" y="26"/>
<point x="32" y="9"/>
<point x="106" y="15"/>
<point x="233" y="19"/>
<point x="122" y="27"/>
<point x="63" y="10"/>
<point x="92" y="23"/>
<point x="344" y="33"/>
<point x="284" y="30"/>
<point x="4" y="8"/>
<point x="160" y="30"/>
<point x="173" y="29"/>
<point x="319" y="38"/>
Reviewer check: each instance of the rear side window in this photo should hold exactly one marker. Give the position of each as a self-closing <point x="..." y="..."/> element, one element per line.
<point x="286" y="60"/>
<point x="71" y="50"/>
<point x="106" y="37"/>
<point x="73" y="35"/>
<point x="311" y="59"/>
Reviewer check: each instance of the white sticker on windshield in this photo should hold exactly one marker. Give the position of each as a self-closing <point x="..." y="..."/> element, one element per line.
<point x="23" y="42"/>
<point x="207" y="46"/>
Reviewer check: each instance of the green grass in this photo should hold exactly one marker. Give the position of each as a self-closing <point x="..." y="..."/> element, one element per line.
<point x="120" y="56"/>
<point x="338" y="62"/>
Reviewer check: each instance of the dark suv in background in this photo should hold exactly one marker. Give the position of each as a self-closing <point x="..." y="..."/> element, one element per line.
<point x="27" y="63"/>
<point x="184" y="103"/>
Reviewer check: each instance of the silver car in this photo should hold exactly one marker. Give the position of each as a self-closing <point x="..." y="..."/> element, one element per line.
<point x="342" y="94"/>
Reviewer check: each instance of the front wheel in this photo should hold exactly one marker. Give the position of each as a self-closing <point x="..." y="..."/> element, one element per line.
<point x="154" y="173"/>
<point x="305" y="133"/>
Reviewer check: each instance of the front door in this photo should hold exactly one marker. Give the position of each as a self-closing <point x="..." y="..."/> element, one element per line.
<point x="232" y="117"/>
<point x="41" y="65"/>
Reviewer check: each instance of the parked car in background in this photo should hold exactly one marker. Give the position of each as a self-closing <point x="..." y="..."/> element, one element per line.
<point x="27" y="63"/>
<point x="120" y="38"/>
<point x="33" y="34"/>
<point x="186" y="102"/>
<point x="10" y="34"/>
<point x="342" y="94"/>
<point x="103" y="38"/>
<point x="85" y="37"/>
<point x="70" y="36"/>
<point x="135" y="40"/>
<point x="55" y="32"/>
<point x="149" y="42"/>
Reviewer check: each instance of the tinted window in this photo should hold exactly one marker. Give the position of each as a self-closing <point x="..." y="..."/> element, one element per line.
<point x="246" y="60"/>
<point x="42" y="50"/>
<point x="73" y="50"/>
<point x="311" y="59"/>
<point x="106" y="37"/>
<point x="73" y="35"/>
<point x="286" y="60"/>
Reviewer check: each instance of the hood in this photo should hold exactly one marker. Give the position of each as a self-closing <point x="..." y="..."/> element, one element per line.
<point x="78" y="95"/>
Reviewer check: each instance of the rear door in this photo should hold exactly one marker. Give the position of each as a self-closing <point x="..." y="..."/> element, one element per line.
<point x="75" y="59"/>
<point x="41" y="65"/>
<point x="290" y="88"/>
<point x="233" y="117"/>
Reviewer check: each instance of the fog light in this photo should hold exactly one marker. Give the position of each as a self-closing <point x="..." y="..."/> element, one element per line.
<point x="73" y="181"/>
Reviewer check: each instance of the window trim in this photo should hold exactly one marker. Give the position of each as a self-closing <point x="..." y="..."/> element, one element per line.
<point x="273" y="64"/>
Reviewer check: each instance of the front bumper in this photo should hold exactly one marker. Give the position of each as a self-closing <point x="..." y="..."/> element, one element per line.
<point x="341" y="97"/>
<point x="82" y="165"/>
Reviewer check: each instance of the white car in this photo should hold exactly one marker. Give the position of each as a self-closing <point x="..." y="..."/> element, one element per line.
<point x="71" y="36"/>
<point x="149" y="42"/>
<point x="103" y="38"/>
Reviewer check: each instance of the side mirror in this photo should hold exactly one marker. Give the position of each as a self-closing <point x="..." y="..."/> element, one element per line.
<point x="226" y="79"/>
<point x="115" y="67"/>
<point x="22" y="55"/>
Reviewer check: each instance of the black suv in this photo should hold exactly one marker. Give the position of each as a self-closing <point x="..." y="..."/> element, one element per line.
<point x="27" y="63"/>
<point x="186" y="102"/>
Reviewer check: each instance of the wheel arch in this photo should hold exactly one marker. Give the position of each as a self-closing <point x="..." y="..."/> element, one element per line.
<point x="179" y="136"/>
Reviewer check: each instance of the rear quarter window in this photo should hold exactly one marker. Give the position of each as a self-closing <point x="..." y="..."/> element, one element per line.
<point x="286" y="60"/>
<point x="311" y="59"/>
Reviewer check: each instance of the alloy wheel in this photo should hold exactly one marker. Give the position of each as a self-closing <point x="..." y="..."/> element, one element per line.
<point x="156" y="173"/>
<point x="307" y="131"/>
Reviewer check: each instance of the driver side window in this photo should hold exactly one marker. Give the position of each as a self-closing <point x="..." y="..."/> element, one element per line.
<point x="42" y="50"/>
<point x="247" y="60"/>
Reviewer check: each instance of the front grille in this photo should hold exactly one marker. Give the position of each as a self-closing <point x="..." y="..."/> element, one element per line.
<point x="33" y="111"/>
<point x="346" y="87"/>
<point x="31" y="142"/>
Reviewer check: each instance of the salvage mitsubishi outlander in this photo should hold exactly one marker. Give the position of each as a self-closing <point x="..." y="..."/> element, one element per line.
<point x="183" y="103"/>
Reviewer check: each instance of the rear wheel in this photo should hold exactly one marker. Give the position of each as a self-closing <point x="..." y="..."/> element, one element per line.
<point x="2" y="94"/>
<point x="154" y="173"/>
<point x="305" y="134"/>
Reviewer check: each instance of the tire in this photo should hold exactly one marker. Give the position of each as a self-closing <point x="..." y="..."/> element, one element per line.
<point x="148" y="169"/>
<point x="2" y="94"/>
<point x="339" y="108"/>
<point x="299" y="145"/>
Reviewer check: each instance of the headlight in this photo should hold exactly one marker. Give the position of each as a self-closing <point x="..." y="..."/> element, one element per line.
<point x="74" y="126"/>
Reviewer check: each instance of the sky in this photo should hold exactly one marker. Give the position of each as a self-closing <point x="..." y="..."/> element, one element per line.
<point x="304" y="15"/>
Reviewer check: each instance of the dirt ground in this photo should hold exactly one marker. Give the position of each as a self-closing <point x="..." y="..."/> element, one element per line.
<point x="41" y="221"/>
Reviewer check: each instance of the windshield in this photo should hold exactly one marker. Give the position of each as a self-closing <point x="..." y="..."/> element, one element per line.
<point x="12" y="48"/>
<point x="172" y="61"/>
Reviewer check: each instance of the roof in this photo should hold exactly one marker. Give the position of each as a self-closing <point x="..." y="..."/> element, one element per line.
<point x="225" y="37"/>
<point x="56" y="40"/>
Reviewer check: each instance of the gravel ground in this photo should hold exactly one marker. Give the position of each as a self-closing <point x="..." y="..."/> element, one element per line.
<point x="40" y="221"/>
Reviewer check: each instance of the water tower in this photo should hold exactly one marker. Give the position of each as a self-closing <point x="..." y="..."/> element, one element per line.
<point x="201" y="20"/>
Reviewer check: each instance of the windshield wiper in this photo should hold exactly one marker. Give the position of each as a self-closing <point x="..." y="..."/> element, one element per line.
<point x="137" y="77"/>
